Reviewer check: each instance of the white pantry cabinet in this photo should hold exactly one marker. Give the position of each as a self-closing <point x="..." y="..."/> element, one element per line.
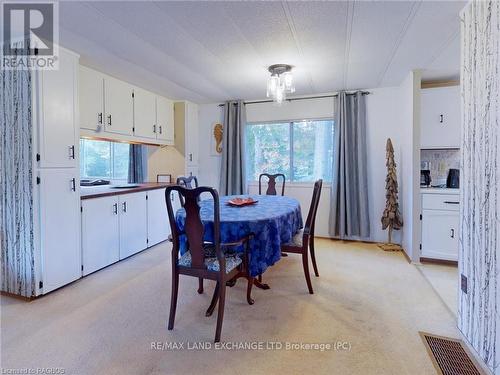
<point x="165" y="120"/>
<point x="91" y="96"/>
<point x="59" y="227"/>
<point x="119" y="106"/>
<point x="133" y="223"/>
<point x="158" y="223"/>
<point x="440" y="226"/>
<point x="440" y="117"/>
<point x="56" y="107"/>
<point x="144" y="114"/>
<point x="100" y="233"/>
<point x="56" y="172"/>
<point x="186" y="134"/>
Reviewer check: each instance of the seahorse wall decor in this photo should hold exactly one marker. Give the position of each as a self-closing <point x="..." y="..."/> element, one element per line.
<point x="218" y="131"/>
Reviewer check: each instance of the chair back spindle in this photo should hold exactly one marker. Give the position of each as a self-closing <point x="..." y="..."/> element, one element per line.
<point x="271" y="183"/>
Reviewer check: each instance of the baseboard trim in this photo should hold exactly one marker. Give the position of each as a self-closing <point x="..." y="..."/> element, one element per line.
<point x="439" y="261"/>
<point x="17" y="296"/>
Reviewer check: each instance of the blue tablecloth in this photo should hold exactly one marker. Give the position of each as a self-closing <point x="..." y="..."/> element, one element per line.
<point x="273" y="219"/>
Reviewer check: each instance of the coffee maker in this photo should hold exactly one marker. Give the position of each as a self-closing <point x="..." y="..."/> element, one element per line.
<point x="425" y="174"/>
<point x="425" y="177"/>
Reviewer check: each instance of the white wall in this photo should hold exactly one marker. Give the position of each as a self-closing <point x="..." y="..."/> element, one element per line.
<point x="409" y="117"/>
<point x="383" y="120"/>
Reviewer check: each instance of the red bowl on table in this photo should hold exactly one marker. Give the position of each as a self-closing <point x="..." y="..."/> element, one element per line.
<point x="240" y="202"/>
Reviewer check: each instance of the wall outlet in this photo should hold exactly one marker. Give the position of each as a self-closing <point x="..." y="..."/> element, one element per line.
<point x="463" y="283"/>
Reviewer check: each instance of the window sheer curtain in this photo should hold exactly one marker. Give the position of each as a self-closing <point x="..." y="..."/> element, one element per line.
<point x="349" y="215"/>
<point x="232" y="176"/>
<point x="138" y="164"/>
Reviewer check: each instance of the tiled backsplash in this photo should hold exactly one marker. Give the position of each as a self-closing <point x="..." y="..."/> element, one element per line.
<point x="440" y="162"/>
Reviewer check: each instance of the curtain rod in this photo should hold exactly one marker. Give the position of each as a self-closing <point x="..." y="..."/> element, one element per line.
<point x="292" y="99"/>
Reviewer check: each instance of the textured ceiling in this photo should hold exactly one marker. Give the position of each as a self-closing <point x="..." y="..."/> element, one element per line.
<point x="211" y="51"/>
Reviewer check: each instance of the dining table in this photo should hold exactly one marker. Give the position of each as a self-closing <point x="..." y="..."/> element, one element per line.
<point x="272" y="219"/>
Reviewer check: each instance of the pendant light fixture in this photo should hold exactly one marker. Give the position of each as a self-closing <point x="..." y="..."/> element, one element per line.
<point x="280" y="82"/>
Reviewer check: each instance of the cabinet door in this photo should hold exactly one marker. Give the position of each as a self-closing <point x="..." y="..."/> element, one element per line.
<point x="165" y="119"/>
<point x="100" y="233"/>
<point x="91" y="97"/>
<point x="191" y="134"/>
<point x="119" y="106"/>
<point x="440" y="117"/>
<point x="133" y="223"/>
<point x="144" y="114"/>
<point x="440" y="234"/>
<point x="158" y="223"/>
<point x="59" y="227"/>
<point x="57" y="98"/>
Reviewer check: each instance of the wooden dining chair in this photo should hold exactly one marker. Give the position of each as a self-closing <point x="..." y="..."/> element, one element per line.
<point x="303" y="241"/>
<point x="213" y="261"/>
<point x="189" y="182"/>
<point x="271" y="183"/>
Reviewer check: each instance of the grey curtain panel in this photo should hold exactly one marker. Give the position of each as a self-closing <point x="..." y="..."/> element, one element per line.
<point x="16" y="182"/>
<point x="349" y="193"/>
<point x="138" y="164"/>
<point x="232" y="177"/>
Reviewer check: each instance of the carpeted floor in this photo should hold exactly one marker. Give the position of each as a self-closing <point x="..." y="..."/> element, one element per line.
<point x="106" y="323"/>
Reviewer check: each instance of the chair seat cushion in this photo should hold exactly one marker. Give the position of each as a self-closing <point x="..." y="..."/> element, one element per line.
<point x="211" y="261"/>
<point x="296" y="239"/>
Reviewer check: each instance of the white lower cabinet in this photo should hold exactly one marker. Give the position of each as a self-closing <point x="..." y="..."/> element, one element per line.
<point x="59" y="227"/>
<point x="133" y="223"/>
<point x="100" y="233"/>
<point x="116" y="227"/>
<point x="158" y="223"/>
<point x="440" y="226"/>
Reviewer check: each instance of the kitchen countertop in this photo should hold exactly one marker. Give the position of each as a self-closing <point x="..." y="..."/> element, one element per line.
<point x="433" y="190"/>
<point x="88" y="192"/>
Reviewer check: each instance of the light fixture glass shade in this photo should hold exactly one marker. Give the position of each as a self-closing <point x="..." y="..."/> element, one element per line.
<point x="272" y="84"/>
<point x="288" y="81"/>
<point x="280" y="82"/>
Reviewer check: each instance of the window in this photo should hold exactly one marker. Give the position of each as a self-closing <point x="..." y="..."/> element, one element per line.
<point x="301" y="150"/>
<point x="103" y="159"/>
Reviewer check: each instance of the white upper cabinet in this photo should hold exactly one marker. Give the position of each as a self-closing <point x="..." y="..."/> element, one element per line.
<point x="119" y="106"/>
<point x="165" y="120"/>
<point x="186" y="132"/>
<point x="440" y="117"/>
<point x="117" y="110"/>
<point x="57" y="101"/>
<point x="91" y="89"/>
<point x="145" y="114"/>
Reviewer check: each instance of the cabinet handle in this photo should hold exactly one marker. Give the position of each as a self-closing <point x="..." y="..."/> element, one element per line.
<point x="190" y="157"/>
<point x="154" y="128"/>
<point x="453" y="233"/>
<point x="115" y="208"/>
<point x="160" y="128"/>
<point x="99" y="118"/>
<point x="441" y="119"/>
<point x="109" y="120"/>
<point x="124" y="206"/>
<point x="72" y="152"/>
<point x="73" y="184"/>
<point x="451" y="202"/>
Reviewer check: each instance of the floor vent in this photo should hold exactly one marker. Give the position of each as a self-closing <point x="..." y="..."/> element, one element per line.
<point x="449" y="355"/>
